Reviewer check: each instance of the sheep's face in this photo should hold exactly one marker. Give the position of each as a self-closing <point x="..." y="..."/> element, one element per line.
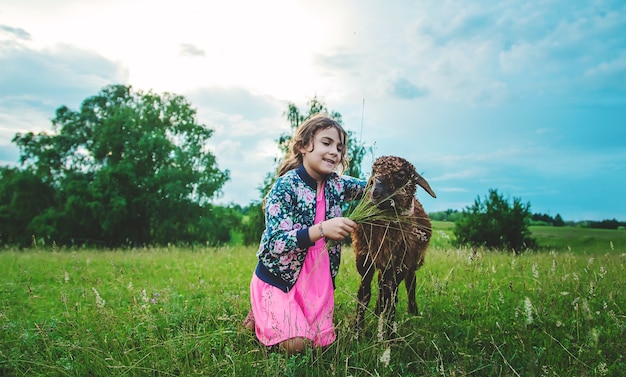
<point x="394" y="181"/>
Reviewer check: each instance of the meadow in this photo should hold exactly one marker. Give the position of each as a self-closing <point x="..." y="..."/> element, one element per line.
<point x="178" y="312"/>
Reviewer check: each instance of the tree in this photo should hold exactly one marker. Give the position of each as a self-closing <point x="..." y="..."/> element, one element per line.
<point x="356" y="151"/>
<point x="558" y="220"/>
<point x="130" y="167"/>
<point x="22" y="197"/>
<point x="495" y="224"/>
<point x="542" y="219"/>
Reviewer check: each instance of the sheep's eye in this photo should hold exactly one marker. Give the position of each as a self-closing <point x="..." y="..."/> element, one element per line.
<point x="400" y="176"/>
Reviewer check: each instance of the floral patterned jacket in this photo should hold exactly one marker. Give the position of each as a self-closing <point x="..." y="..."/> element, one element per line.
<point x="289" y="212"/>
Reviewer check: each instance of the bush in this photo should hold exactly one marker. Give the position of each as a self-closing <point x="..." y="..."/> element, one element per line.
<point x="254" y="224"/>
<point x="495" y="224"/>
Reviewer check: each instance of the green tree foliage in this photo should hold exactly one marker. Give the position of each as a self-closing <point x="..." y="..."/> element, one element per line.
<point x="451" y="215"/>
<point x="605" y="224"/>
<point x="356" y="152"/>
<point x="253" y="224"/>
<point x="23" y="196"/>
<point x="541" y="219"/>
<point x="558" y="220"/>
<point x="129" y="168"/>
<point x="495" y="224"/>
<point x="545" y="219"/>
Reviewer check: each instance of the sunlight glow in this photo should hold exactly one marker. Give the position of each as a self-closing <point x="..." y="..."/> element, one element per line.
<point x="264" y="46"/>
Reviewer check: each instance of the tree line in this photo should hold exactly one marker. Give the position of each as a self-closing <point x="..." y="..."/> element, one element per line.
<point x="131" y="168"/>
<point x="453" y="215"/>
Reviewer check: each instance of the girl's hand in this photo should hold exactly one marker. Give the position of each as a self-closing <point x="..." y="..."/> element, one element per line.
<point x="336" y="229"/>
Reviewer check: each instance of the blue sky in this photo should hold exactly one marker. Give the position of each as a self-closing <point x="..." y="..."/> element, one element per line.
<point x="527" y="97"/>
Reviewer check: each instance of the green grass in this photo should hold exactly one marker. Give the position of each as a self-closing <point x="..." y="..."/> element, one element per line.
<point x="580" y="239"/>
<point x="551" y="238"/>
<point x="177" y="311"/>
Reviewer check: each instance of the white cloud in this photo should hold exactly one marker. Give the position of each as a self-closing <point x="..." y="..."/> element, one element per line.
<point x="188" y="49"/>
<point x="608" y="75"/>
<point x="457" y="172"/>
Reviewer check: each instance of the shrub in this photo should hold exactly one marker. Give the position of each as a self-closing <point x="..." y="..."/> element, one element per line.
<point x="495" y="224"/>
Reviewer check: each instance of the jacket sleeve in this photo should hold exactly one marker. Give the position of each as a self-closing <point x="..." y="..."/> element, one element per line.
<point x="353" y="187"/>
<point x="283" y="234"/>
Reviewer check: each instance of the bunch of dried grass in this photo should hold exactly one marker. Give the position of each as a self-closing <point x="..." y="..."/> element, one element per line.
<point x="367" y="212"/>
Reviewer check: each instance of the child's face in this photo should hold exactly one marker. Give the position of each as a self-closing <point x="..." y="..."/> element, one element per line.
<point x="322" y="156"/>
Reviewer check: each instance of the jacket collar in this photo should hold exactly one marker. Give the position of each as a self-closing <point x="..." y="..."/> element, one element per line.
<point x="310" y="181"/>
<point x="306" y="177"/>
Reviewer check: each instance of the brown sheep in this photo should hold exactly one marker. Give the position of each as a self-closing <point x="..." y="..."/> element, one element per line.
<point x="395" y="249"/>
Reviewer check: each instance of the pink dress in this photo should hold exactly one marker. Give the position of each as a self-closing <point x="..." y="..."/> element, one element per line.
<point x="307" y="309"/>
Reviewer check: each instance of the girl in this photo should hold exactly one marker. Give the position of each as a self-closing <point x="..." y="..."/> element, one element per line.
<point x="292" y="288"/>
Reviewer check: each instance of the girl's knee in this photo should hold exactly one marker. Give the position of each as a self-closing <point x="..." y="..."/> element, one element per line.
<point x="295" y="345"/>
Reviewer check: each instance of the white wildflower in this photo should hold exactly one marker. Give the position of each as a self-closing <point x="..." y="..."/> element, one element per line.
<point x="602" y="369"/>
<point x="612" y="246"/>
<point x="130" y="286"/>
<point x="386" y="357"/>
<point x="590" y="262"/>
<point x="67" y="277"/>
<point x="553" y="269"/>
<point x="99" y="300"/>
<point x="602" y="271"/>
<point x="528" y="307"/>
<point x="155" y="298"/>
<point x="535" y="269"/>
<point x="381" y="327"/>
<point x="144" y="296"/>
<point x="576" y="276"/>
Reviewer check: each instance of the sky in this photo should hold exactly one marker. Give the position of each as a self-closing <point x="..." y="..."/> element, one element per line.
<point x="525" y="97"/>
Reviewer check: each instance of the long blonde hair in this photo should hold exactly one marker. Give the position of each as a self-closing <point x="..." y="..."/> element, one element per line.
<point x="304" y="136"/>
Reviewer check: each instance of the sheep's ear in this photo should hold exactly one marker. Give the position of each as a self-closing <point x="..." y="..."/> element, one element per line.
<point x="423" y="183"/>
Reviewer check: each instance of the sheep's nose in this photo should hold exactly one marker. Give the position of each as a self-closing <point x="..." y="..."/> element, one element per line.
<point x="377" y="192"/>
